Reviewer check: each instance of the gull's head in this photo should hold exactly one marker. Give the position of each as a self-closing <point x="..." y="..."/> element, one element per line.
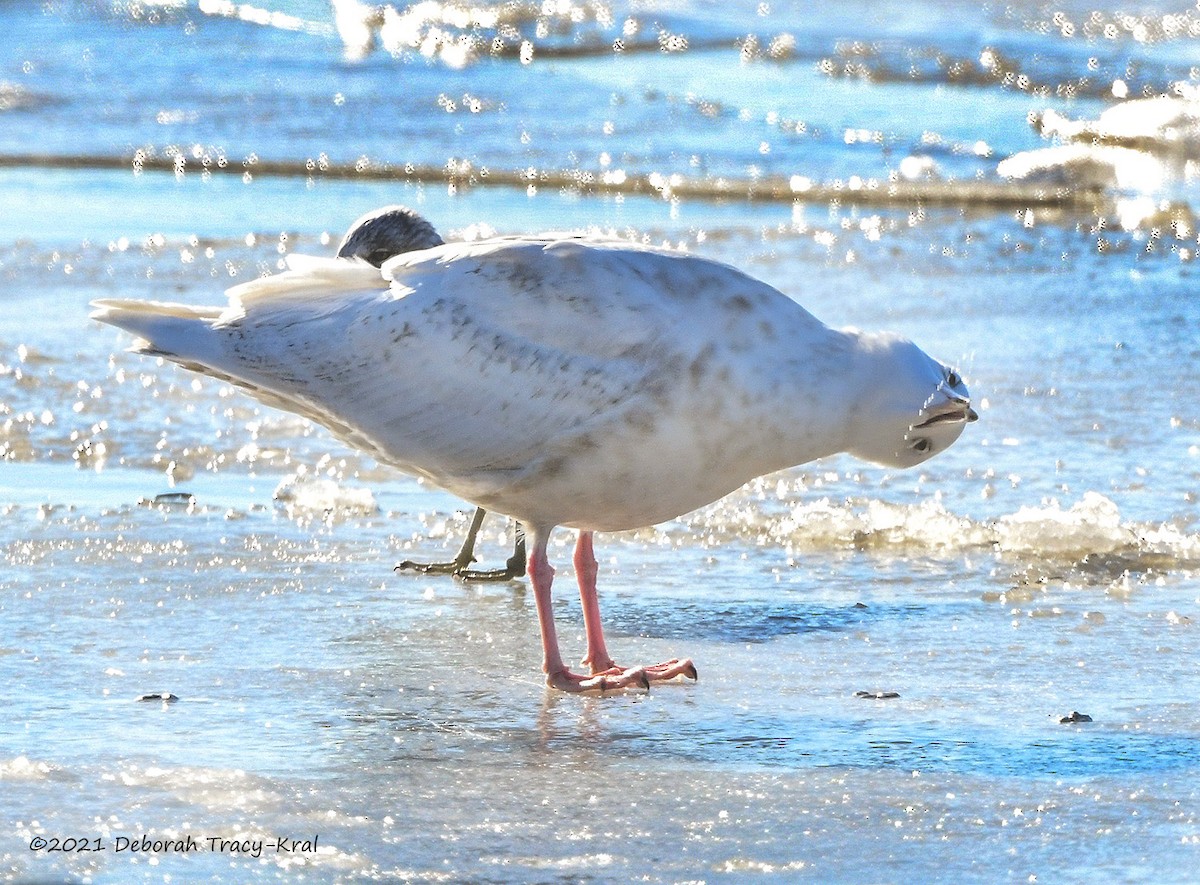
<point x="387" y="232"/>
<point x="912" y="408"/>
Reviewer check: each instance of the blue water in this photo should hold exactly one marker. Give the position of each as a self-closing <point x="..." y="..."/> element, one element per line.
<point x="1046" y="563"/>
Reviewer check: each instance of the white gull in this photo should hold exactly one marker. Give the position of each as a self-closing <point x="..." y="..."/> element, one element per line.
<point x="594" y="385"/>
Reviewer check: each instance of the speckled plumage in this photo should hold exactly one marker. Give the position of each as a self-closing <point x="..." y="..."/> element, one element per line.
<point x="598" y="386"/>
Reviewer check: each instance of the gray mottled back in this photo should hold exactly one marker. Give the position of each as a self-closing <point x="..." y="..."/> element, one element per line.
<point x="384" y="233"/>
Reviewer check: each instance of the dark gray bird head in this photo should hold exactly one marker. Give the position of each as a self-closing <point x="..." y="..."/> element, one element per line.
<point x="382" y="233"/>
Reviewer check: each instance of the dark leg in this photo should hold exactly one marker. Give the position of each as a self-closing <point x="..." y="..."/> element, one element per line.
<point x="466" y="555"/>
<point x="460" y="566"/>
<point x="514" y="566"/>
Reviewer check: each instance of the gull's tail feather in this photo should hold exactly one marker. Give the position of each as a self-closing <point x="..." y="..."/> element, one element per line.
<point x="176" y="332"/>
<point x="196" y="338"/>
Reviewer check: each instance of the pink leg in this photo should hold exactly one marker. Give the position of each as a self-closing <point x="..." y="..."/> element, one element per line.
<point x="598" y="658"/>
<point x="541" y="576"/>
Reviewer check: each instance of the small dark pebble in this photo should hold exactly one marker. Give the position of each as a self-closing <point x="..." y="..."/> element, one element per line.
<point x="1075" y="716"/>
<point x="165" y="696"/>
<point x="170" y="499"/>
<point x="877" y="695"/>
<point x="177" y="498"/>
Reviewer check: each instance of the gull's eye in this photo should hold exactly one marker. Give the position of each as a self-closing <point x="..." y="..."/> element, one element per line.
<point x="953" y="379"/>
<point x="920" y="445"/>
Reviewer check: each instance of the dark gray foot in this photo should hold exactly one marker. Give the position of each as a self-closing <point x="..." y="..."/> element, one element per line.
<point x="434" y="568"/>
<point x="514" y="566"/>
<point x="460" y="563"/>
<point x="460" y="566"/>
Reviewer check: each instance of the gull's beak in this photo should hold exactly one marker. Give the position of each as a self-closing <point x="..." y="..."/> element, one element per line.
<point x="969" y="414"/>
<point x="956" y="409"/>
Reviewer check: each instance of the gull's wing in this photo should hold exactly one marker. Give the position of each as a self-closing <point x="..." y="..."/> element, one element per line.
<point x="514" y="352"/>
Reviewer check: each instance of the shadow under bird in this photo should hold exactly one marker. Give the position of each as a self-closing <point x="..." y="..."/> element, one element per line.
<point x="375" y="237"/>
<point x="595" y="385"/>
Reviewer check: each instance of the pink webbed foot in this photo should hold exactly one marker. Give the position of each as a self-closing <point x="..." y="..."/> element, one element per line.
<point x="673" y="668"/>
<point x="613" y="679"/>
<point x="662" y="672"/>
